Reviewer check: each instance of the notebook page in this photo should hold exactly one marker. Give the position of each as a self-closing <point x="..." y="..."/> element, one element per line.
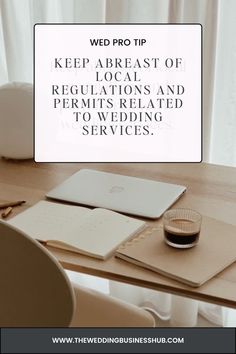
<point x="50" y="221"/>
<point x="102" y="231"/>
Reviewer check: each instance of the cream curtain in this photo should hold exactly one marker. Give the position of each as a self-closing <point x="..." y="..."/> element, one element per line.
<point x="218" y="18"/>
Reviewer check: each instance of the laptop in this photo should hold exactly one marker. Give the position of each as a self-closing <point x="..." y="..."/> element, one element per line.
<point x="130" y="195"/>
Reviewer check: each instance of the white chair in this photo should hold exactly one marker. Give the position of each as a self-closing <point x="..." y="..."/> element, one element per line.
<point x="35" y="291"/>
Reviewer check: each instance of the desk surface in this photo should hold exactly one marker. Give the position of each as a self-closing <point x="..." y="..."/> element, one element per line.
<point x="211" y="191"/>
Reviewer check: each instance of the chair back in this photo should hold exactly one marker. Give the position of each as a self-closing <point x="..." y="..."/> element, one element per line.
<point x="35" y="291"/>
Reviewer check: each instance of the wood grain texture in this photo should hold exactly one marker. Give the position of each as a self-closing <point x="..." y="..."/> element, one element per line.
<point x="211" y="191"/>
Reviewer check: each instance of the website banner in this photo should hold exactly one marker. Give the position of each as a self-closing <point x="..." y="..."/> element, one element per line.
<point x="118" y="340"/>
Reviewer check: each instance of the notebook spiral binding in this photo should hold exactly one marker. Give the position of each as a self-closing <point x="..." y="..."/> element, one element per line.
<point x="143" y="234"/>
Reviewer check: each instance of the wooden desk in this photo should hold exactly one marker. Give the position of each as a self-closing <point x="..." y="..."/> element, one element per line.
<point x="211" y="190"/>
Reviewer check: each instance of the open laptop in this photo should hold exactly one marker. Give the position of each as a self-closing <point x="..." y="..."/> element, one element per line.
<point x="125" y="194"/>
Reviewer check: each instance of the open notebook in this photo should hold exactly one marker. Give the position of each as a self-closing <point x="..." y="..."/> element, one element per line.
<point x="97" y="232"/>
<point x="216" y="250"/>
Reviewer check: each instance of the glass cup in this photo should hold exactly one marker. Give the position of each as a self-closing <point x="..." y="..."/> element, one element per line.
<point x="181" y="227"/>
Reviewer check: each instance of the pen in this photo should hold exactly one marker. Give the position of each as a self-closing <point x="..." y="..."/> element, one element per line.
<point x="6" y="212"/>
<point x="11" y="204"/>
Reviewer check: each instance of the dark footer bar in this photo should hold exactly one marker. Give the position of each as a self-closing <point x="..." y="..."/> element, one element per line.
<point x="117" y="340"/>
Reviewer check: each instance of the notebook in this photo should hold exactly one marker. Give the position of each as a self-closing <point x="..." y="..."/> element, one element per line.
<point x="126" y="194"/>
<point x="214" y="252"/>
<point x="96" y="232"/>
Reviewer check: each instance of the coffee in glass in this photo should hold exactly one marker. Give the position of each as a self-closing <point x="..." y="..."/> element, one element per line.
<point x="181" y="227"/>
